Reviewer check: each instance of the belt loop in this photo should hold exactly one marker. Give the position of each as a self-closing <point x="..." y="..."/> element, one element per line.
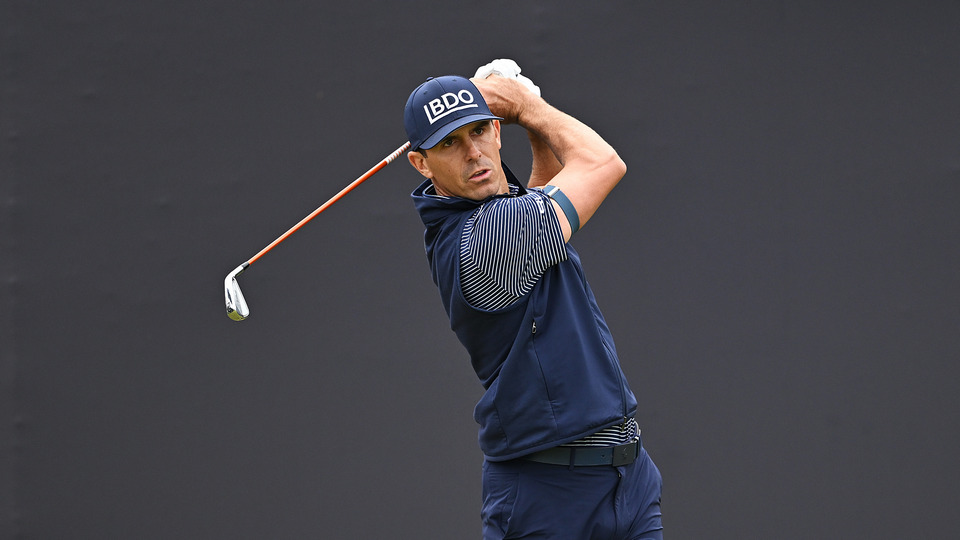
<point x="573" y="456"/>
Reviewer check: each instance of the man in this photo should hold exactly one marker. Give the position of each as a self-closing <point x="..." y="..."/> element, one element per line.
<point x="563" y="457"/>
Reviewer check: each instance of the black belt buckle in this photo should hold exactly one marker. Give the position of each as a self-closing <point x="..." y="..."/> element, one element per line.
<point x="625" y="454"/>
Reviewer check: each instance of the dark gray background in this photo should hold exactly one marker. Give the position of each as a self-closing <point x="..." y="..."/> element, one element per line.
<point x="779" y="266"/>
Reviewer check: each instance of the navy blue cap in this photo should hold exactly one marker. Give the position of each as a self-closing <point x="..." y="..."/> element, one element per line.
<point x="439" y="107"/>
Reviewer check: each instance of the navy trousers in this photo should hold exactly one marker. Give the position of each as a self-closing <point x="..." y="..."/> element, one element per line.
<point x="525" y="499"/>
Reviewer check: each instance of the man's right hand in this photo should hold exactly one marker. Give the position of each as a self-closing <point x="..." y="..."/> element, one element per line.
<point x="506" y="97"/>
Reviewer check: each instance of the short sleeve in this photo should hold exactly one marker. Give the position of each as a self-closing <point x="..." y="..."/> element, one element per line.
<point x="507" y="244"/>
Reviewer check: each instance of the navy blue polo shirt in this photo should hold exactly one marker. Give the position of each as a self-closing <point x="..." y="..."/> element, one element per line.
<point x="518" y="301"/>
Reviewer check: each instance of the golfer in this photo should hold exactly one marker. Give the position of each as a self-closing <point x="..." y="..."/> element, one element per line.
<point x="563" y="457"/>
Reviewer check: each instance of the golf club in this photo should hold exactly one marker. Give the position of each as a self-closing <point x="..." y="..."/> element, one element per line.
<point x="237" y="308"/>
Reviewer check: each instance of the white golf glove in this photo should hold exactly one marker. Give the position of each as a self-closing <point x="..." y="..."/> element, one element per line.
<point x="506" y="68"/>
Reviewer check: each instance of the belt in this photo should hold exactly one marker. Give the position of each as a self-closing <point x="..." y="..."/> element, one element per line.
<point x="588" y="456"/>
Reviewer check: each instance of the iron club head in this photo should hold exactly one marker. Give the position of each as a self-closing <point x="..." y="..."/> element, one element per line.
<point x="236" y="306"/>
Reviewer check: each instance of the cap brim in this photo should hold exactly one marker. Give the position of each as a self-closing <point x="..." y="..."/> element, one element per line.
<point x="449" y="128"/>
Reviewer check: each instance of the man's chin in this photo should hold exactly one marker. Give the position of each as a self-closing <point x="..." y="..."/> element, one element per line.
<point x="488" y="189"/>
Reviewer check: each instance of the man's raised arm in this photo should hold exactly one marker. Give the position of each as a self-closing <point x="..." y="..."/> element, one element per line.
<point x="590" y="168"/>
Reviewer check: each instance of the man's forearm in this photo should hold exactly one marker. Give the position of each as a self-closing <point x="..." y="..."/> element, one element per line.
<point x="590" y="168"/>
<point x="568" y="139"/>
<point x="545" y="163"/>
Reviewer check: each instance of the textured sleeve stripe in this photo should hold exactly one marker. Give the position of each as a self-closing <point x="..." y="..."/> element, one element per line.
<point x="506" y="246"/>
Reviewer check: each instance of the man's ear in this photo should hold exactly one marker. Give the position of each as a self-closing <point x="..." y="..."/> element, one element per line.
<point x="419" y="162"/>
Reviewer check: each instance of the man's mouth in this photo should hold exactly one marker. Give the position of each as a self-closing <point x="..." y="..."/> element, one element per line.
<point x="480" y="175"/>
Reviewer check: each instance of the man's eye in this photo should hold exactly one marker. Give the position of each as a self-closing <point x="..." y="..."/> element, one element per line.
<point x="447" y="142"/>
<point x="479" y="130"/>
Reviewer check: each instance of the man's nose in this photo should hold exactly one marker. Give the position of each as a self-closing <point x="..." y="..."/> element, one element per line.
<point x="473" y="151"/>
